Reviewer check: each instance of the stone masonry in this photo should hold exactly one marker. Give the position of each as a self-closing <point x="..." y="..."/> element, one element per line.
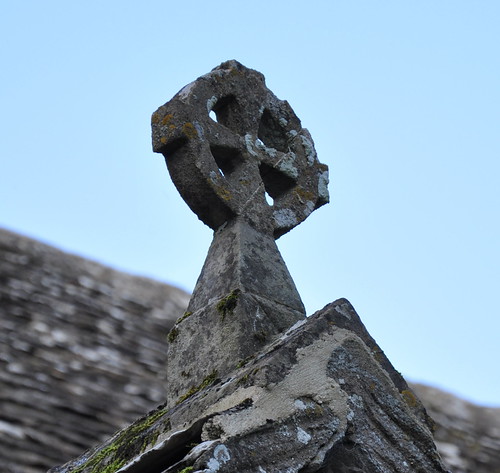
<point x="252" y="385"/>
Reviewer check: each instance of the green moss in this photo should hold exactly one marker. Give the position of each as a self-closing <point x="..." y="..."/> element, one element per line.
<point x="243" y="379"/>
<point x="244" y="362"/>
<point x="150" y="441"/>
<point x="173" y="334"/>
<point x="96" y="462"/>
<point x="185" y="316"/>
<point x="227" y="304"/>
<point x="128" y="443"/>
<point x="194" y="389"/>
<point x="189" y="469"/>
<point x="112" y="467"/>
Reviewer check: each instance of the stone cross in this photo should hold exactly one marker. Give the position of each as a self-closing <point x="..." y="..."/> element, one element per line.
<point x="256" y="144"/>
<point x="252" y="386"/>
<point x="243" y="163"/>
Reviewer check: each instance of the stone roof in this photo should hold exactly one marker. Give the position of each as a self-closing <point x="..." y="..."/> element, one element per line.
<point x="467" y="435"/>
<point x="82" y="353"/>
<point x="82" y="347"/>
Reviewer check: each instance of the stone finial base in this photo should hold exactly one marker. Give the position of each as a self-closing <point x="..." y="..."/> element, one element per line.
<point x="219" y="338"/>
<point x="244" y="299"/>
<point x="321" y="398"/>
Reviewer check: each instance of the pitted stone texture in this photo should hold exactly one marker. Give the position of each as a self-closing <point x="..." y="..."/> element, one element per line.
<point x="321" y="398"/>
<point x="224" y="168"/>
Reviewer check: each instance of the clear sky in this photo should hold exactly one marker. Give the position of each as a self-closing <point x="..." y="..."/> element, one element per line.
<point x="401" y="98"/>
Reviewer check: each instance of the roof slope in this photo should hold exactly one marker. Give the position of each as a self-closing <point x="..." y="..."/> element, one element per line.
<point x="82" y="346"/>
<point x="467" y="435"/>
<point x="82" y="351"/>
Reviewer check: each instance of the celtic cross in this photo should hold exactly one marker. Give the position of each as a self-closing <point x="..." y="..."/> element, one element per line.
<point x="223" y="168"/>
<point x="243" y="163"/>
<point x="228" y="141"/>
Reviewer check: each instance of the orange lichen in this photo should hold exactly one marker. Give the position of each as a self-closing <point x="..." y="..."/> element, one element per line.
<point x="304" y="195"/>
<point x="223" y="193"/>
<point x="189" y="130"/>
<point x="410" y="398"/>
<point x="166" y="119"/>
<point x="155" y="118"/>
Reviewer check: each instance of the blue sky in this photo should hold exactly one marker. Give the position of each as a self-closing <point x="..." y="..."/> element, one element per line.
<point x="402" y="99"/>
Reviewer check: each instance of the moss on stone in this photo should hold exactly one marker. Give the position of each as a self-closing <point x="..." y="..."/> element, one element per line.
<point x="194" y="389"/>
<point x="128" y="443"/>
<point x="244" y="362"/>
<point x="243" y="379"/>
<point x="227" y="304"/>
<point x="173" y="334"/>
<point x="185" y="316"/>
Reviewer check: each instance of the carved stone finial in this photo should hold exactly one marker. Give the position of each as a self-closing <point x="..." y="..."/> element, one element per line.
<point x="223" y="168"/>
<point x="244" y="393"/>
<point x="227" y="141"/>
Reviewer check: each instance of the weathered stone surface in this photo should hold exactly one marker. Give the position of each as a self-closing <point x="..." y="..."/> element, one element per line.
<point x="248" y="390"/>
<point x="44" y="423"/>
<point x="240" y="324"/>
<point x="246" y="259"/>
<point x="223" y="169"/>
<point x="81" y="346"/>
<point x="322" y="398"/>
